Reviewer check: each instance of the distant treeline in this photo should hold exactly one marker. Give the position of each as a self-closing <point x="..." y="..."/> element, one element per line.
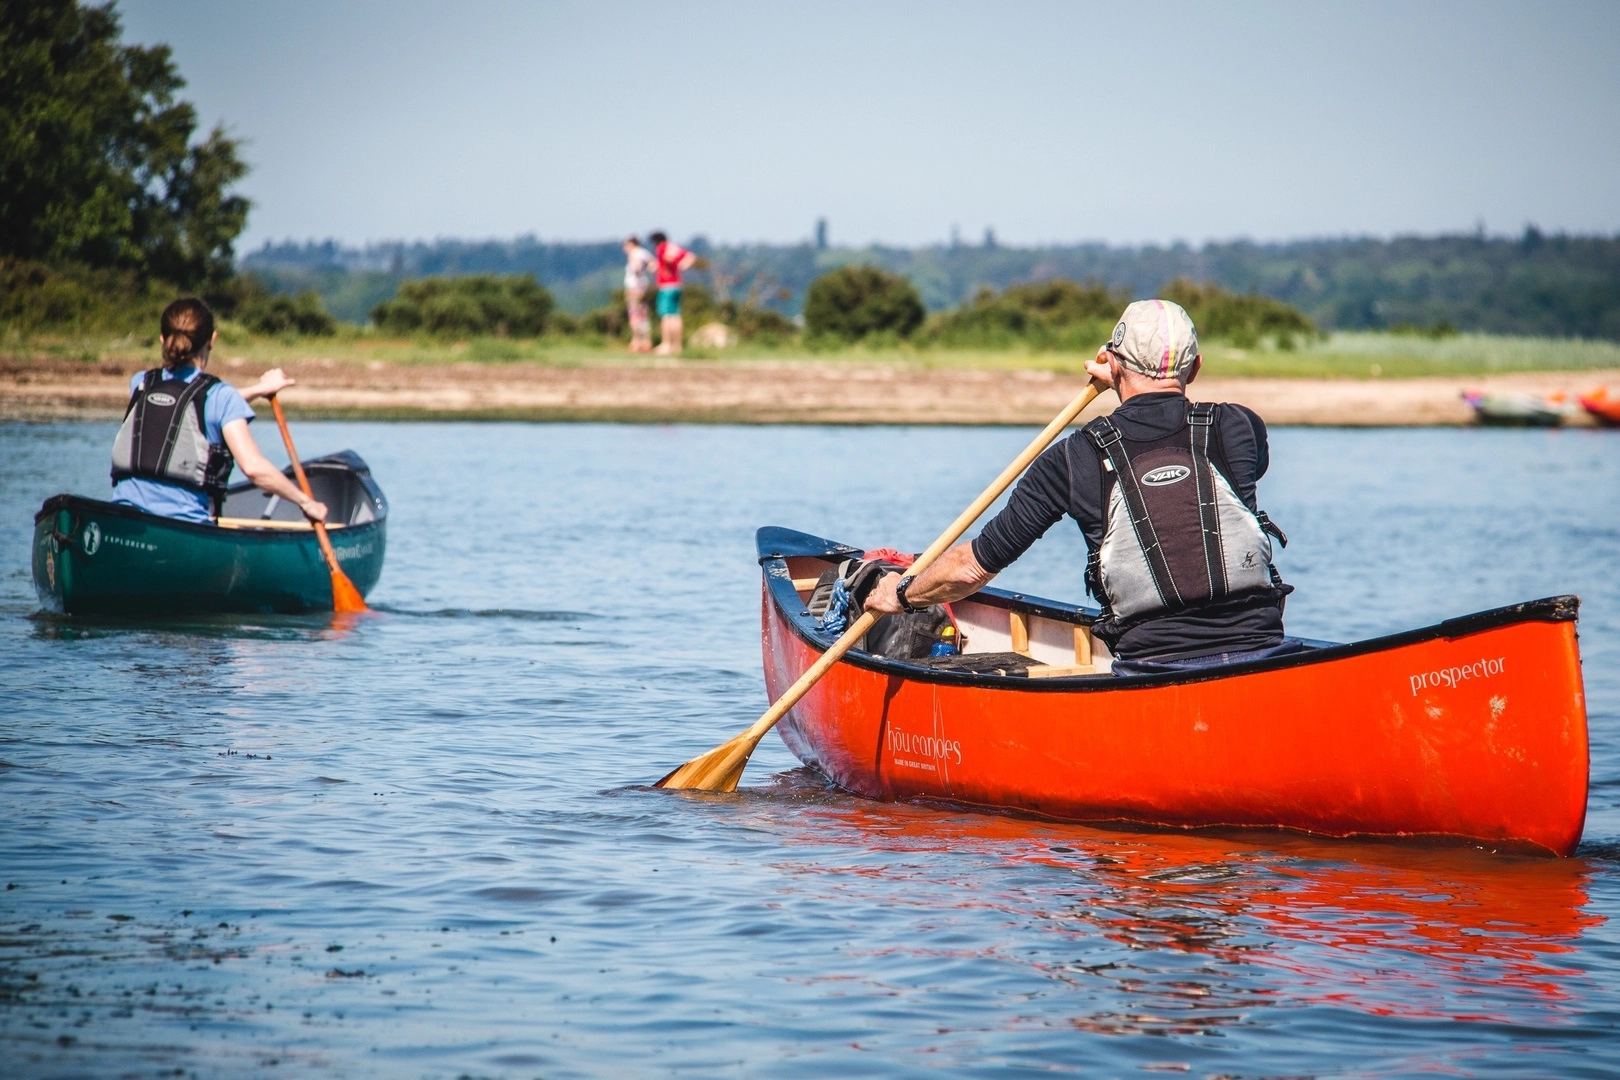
<point x="1562" y="286"/>
<point x="853" y="304"/>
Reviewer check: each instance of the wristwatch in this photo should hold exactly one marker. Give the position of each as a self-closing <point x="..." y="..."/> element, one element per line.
<point x="900" y="595"/>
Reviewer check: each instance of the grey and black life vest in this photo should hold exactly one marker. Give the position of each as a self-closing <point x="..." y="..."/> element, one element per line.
<point x="1177" y="535"/>
<point x="164" y="437"/>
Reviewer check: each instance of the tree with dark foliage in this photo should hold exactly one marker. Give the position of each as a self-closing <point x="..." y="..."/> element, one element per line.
<point x="479" y="304"/>
<point x="853" y="302"/>
<point x="97" y="161"/>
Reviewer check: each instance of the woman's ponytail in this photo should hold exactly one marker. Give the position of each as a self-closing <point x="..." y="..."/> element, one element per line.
<point x="186" y="330"/>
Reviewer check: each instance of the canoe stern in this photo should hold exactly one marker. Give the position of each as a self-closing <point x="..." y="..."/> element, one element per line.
<point x="92" y="557"/>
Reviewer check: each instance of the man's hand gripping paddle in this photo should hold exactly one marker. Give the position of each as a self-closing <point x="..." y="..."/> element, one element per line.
<point x="346" y="599"/>
<point x="722" y="767"/>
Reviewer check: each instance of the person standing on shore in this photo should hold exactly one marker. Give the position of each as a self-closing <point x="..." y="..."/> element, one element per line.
<point x="639" y="264"/>
<point x="672" y="261"/>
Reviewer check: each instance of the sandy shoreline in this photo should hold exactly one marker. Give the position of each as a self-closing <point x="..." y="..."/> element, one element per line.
<point x="804" y="392"/>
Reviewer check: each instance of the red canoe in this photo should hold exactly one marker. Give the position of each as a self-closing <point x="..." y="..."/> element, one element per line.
<point x="1475" y="728"/>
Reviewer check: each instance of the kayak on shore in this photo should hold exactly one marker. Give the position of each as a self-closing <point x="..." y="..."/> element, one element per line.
<point x="94" y="557"/>
<point x="1474" y="728"/>
<point x="1602" y="406"/>
<point x="1517" y="410"/>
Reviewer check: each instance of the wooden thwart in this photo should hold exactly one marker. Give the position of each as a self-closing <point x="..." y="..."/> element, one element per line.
<point x="268" y="523"/>
<point x="1018" y="624"/>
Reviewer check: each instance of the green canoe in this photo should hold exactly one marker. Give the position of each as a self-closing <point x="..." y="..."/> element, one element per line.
<point x="93" y="557"/>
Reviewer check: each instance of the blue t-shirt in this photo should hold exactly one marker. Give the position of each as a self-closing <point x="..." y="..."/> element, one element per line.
<point x="222" y="405"/>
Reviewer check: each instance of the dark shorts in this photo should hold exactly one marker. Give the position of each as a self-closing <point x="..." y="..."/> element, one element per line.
<point x="669" y="301"/>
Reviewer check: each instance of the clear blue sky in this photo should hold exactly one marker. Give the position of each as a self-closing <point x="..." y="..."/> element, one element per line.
<point x="1128" y="123"/>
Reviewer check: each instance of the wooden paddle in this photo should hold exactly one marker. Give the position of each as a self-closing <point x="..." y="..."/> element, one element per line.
<point x="346" y="598"/>
<point x="722" y="767"/>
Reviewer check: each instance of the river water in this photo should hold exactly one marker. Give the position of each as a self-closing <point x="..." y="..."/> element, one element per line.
<point x="422" y="846"/>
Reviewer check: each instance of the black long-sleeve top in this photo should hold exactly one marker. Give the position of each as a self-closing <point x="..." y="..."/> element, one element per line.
<point x="1069" y="479"/>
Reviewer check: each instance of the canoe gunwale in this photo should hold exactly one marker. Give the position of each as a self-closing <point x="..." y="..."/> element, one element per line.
<point x="775" y="545"/>
<point x="248" y="534"/>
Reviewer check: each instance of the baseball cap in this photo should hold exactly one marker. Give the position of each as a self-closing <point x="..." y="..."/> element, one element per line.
<point x="1155" y="338"/>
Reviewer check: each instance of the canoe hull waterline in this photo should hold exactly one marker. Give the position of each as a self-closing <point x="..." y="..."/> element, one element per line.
<point x="99" y="558"/>
<point x="1473" y="729"/>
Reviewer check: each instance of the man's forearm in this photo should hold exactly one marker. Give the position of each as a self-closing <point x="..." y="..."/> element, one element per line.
<point x="953" y="575"/>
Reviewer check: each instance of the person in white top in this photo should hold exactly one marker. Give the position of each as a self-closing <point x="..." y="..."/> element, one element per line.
<point x="638" y="267"/>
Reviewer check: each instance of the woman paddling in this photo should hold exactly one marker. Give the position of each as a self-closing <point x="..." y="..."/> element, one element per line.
<point x="184" y="429"/>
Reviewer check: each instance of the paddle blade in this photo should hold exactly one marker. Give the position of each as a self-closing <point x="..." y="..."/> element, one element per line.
<point x="718" y="770"/>
<point x="346" y="599"/>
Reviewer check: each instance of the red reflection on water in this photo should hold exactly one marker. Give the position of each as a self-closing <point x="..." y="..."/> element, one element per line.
<point x="1389" y="929"/>
<point x="344" y="623"/>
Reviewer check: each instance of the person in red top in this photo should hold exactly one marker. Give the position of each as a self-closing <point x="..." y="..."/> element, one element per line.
<point x="672" y="260"/>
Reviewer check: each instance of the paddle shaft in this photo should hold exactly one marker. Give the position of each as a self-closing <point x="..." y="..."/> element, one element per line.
<point x="963" y="522"/>
<point x="344" y="594"/>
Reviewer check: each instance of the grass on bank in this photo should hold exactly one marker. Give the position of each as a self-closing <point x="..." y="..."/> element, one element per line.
<point x="1358" y="355"/>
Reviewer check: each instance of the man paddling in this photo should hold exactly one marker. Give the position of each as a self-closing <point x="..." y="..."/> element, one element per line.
<point x="1164" y="492"/>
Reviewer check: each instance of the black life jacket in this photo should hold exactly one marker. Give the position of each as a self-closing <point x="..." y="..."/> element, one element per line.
<point x="164" y="437"/>
<point x="1177" y="535"/>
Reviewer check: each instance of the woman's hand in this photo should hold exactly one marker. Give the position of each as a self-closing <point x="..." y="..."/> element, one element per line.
<point x="270" y="384"/>
<point x="257" y="468"/>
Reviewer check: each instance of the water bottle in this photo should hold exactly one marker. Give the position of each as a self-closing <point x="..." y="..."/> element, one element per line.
<point x="946" y="645"/>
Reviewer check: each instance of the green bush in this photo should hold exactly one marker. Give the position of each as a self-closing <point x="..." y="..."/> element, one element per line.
<point x="855" y="302"/>
<point x="751" y="321"/>
<point x="754" y="323"/>
<point x="1437" y="332"/>
<point x="1242" y="319"/>
<point x="73" y="298"/>
<point x="511" y="306"/>
<point x="302" y="313"/>
<point x="698" y="307"/>
<point x="610" y="320"/>
<point x="1044" y="314"/>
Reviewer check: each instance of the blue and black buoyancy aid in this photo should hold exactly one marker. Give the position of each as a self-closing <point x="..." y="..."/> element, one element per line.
<point x="1177" y="536"/>
<point x="164" y="437"/>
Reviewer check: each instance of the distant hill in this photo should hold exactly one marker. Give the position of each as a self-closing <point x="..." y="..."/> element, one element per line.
<point x="1561" y="286"/>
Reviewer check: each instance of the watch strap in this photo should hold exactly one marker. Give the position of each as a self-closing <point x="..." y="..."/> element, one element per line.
<point x="900" y="595"/>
